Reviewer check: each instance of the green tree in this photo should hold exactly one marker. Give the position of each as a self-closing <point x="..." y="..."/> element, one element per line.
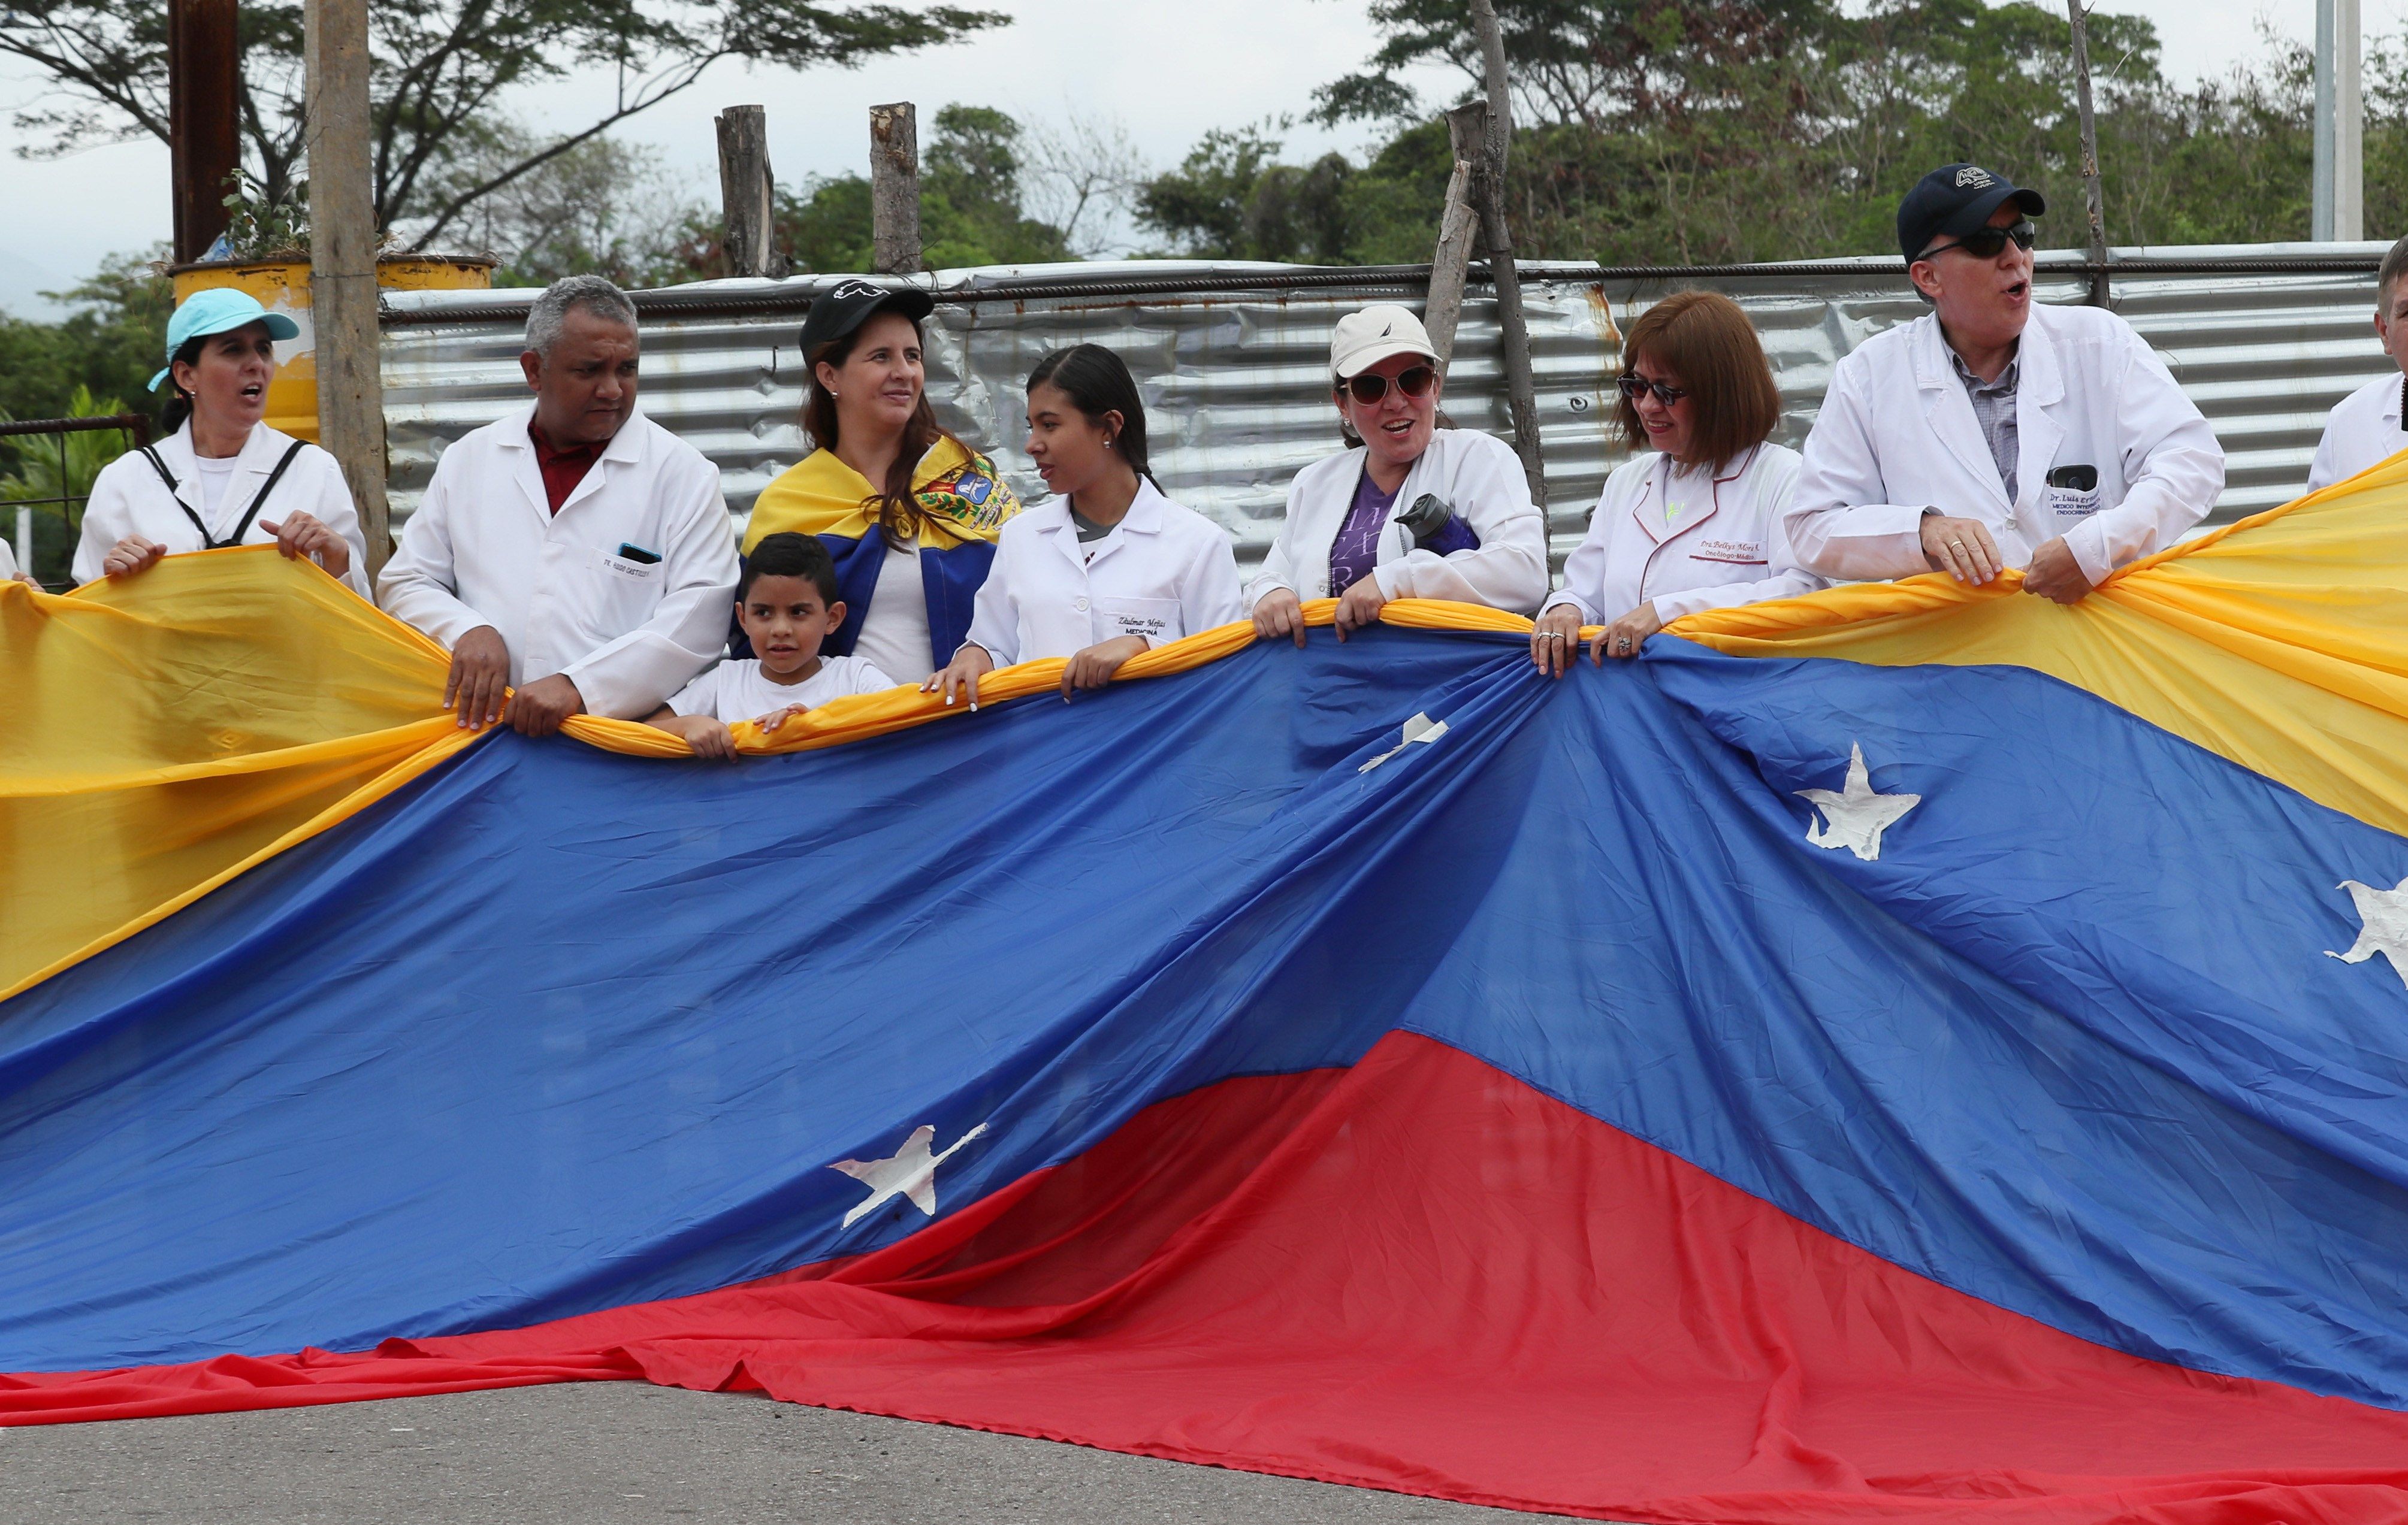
<point x="110" y="344"/>
<point x="1715" y="131"/>
<point x="438" y="71"/>
<point x="970" y="195"/>
<point x="1231" y="199"/>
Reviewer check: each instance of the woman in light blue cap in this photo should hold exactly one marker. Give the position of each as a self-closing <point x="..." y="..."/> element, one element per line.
<point x="221" y="477"/>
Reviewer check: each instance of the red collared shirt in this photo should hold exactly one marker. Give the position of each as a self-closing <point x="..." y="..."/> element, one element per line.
<point x="561" y="468"/>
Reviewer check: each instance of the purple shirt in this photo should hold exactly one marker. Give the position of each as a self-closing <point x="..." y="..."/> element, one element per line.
<point x="1356" y="550"/>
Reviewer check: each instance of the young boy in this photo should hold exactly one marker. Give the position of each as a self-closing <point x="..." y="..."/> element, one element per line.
<point x="785" y="600"/>
<point x="2365" y="427"/>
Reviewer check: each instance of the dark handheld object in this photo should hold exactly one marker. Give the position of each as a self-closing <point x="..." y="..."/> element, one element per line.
<point x="629" y="551"/>
<point x="2077" y="478"/>
<point x="1434" y="526"/>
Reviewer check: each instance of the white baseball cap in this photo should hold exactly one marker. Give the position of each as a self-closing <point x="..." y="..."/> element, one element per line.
<point x="1363" y="339"/>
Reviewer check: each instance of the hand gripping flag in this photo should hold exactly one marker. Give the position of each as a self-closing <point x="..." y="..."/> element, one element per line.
<point x="1909" y="1053"/>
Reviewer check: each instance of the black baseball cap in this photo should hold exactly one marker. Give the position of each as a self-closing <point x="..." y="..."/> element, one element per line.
<point x="849" y="306"/>
<point x="1952" y="201"/>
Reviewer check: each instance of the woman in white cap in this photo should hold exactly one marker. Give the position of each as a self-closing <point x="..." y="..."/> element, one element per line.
<point x="1692" y="521"/>
<point x="1409" y="510"/>
<point x="221" y="477"/>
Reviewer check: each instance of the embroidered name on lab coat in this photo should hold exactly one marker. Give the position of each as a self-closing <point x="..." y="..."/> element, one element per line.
<point x="1737" y="552"/>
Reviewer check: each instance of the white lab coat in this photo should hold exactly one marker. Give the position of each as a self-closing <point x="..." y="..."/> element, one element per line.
<point x="485" y="549"/>
<point x="2363" y="429"/>
<point x="128" y="498"/>
<point x="1477" y="475"/>
<point x="1897" y="435"/>
<point x="1164" y="572"/>
<point x="1735" y="553"/>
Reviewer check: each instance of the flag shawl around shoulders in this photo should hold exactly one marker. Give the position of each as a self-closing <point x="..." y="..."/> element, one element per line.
<point x="963" y="504"/>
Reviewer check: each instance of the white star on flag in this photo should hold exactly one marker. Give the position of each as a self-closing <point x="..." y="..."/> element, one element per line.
<point x="2383" y="925"/>
<point x="1420" y="728"/>
<point x="911" y="1173"/>
<point x="1856" y="815"/>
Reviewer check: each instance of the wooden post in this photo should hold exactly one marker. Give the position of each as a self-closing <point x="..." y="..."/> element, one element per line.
<point x="748" y="193"/>
<point x="342" y="258"/>
<point x="1467" y="128"/>
<point x="2091" y="192"/>
<point x="204" y="131"/>
<point x="895" y="189"/>
<point x="1521" y="395"/>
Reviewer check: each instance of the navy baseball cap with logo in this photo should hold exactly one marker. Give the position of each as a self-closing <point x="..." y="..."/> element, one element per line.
<point x="849" y="306"/>
<point x="1952" y="201"/>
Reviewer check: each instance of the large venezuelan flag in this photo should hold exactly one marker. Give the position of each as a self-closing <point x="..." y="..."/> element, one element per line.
<point x="1883" y="1057"/>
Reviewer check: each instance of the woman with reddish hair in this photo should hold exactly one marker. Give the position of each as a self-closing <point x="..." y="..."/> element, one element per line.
<point x="1693" y="521"/>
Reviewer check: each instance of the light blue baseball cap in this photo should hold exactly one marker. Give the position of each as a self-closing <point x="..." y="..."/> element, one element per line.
<point x="215" y="311"/>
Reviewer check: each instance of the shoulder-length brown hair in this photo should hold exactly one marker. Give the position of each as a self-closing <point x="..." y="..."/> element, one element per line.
<point x="1703" y="338"/>
<point x="898" y="510"/>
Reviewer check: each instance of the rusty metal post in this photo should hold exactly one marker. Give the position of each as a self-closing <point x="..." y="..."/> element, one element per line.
<point x="895" y="189"/>
<point x="204" y="121"/>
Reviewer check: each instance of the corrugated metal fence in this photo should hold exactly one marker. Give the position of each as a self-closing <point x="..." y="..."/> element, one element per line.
<point x="1232" y="360"/>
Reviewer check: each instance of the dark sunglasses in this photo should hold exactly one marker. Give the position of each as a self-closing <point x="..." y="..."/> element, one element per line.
<point x="1636" y="387"/>
<point x="1368" y="388"/>
<point x="1984" y="243"/>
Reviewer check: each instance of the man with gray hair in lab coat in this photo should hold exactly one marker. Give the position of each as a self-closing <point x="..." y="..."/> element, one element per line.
<point x="574" y="549"/>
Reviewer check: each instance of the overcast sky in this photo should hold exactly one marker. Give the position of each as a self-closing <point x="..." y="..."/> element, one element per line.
<point x="1165" y="70"/>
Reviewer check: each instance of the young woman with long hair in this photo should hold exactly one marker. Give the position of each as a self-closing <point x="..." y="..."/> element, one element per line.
<point x="1106" y="566"/>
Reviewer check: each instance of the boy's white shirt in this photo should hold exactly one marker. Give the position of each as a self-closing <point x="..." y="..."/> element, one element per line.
<point x="739" y="690"/>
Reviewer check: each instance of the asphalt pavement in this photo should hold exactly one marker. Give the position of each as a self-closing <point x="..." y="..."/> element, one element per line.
<point x="626" y="1453"/>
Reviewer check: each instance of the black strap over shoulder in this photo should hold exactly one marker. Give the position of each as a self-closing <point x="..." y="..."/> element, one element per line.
<point x="151" y="454"/>
<point x="259" y="500"/>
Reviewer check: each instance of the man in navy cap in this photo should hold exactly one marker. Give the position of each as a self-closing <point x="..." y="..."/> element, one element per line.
<point x="1993" y="432"/>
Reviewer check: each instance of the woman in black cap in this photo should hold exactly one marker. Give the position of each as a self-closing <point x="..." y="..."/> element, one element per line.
<point x="910" y="512"/>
